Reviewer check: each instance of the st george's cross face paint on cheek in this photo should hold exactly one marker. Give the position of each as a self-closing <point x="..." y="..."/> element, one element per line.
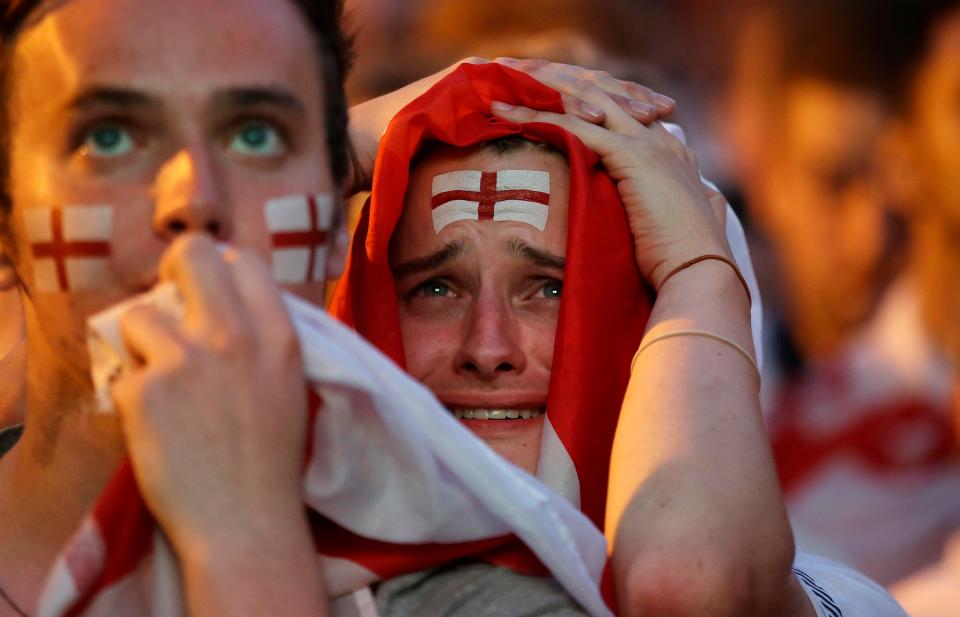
<point x="71" y="246"/>
<point x="300" y="233"/>
<point x="520" y="195"/>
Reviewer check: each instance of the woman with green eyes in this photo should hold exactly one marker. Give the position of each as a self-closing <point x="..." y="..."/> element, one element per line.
<point x="254" y="138"/>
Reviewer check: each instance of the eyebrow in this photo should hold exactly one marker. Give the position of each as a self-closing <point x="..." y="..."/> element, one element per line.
<point x="127" y="98"/>
<point x="112" y="97"/>
<point x="539" y="257"/>
<point x="254" y="96"/>
<point x="451" y="250"/>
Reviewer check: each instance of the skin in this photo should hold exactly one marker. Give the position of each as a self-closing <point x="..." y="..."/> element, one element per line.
<point x="820" y="199"/>
<point x="185" y="161"/>
<point x="479" y="327"/>
<point x="686" y="469"/>
<point x="12" y="359"/>
<point x="185" y="150"/>
<point x="805" y="152"/>
<point x="923" y="152"/>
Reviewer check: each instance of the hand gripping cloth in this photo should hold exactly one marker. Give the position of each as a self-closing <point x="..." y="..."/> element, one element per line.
<point x="393" y="482"/>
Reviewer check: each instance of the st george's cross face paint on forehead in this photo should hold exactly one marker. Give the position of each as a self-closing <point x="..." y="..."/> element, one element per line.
<point x="71" y="246"/>
<point x="520" y="195"/>
<point x="300" y="233"/>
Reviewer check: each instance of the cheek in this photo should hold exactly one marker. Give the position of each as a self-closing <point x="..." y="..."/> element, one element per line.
<point x="136" y="248"/>
<point x="429" y="346"/>
<point x="539" y="338"/>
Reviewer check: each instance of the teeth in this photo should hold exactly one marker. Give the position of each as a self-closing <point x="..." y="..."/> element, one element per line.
<point x="496" y="414"/>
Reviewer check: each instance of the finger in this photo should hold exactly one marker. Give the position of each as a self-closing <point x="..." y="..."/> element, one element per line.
<point x="640" y="102"/>
<point x="585" y="111"/>
<point x="664" y="104"/>
<point x="259" y="293"/>
<point x="718" y="203"/>
<point x="594" y="137"/>
<point x="195" y="264"/>
<point x="577" y="84"/>
<point x="675" y="143"/>
<point x="150" y="335"/>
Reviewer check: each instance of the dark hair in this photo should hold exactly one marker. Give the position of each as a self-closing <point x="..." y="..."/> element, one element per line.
<point x="872" y="45"/>
<point x="334" y="50"/>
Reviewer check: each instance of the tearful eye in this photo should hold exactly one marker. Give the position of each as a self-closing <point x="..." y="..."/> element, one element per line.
<point x="553" y="290"/>
<point x="258" y="139"/>
<point x="107" y="141"/>
<point x="433" y="289"/>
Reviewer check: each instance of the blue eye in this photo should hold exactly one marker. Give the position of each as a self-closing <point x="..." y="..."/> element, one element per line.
<point x="107" y="141"/>
<point x="553" y="290"/>
<point x="258" y="139"/>
<point x="433" y="289"/>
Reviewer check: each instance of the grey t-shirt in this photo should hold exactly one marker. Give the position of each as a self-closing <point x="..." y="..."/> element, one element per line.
<point x="473" y="589"/>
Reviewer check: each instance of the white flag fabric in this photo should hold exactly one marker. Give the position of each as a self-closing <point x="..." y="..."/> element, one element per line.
<point x="389" y="462"/>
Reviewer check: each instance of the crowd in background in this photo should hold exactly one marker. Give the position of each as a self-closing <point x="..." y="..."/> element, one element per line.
<point x="834" y="128"/>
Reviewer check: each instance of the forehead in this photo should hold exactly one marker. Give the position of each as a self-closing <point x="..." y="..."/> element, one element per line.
<point x="829" y="125"/>
<point x="415" y="231"/>
<point x="187" y="46"/>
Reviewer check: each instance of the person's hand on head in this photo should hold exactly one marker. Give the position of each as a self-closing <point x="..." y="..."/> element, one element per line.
<point x="585" y="93"/>
<point x="673" y="215"/>
<point x="215" y="416"/>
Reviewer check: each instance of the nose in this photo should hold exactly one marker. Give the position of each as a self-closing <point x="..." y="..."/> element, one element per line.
<point x="188" y="197"/>
<point x="491" y="341"/>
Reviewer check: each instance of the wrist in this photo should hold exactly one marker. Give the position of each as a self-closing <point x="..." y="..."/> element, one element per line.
<point x="246" y="533"/>
<point x="707" y="281"/>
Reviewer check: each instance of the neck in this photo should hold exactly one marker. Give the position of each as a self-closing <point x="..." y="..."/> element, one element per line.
<point x="935" y="265"/>
<point x="53" y="475"/>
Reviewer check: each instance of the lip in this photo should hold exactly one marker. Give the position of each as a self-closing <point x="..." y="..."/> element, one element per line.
<point x="494" y="429"/>
<point x="494" y="400"/>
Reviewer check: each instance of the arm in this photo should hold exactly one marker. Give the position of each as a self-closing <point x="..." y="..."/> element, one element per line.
<point x="215" y="421"/>
<point x="695" y="517"/>
<point x="582" y="91"/>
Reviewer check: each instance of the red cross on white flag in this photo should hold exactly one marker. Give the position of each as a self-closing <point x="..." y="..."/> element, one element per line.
<point x="71" y="246"/>
<point x="518" y="195"/>
<point x="299" y="228"/>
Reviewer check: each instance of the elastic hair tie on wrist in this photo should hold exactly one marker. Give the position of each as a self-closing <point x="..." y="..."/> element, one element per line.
<point x="725" y="260"/>
<point x="676" y="333"/>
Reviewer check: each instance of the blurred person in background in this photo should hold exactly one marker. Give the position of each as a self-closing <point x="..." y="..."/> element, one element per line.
<point x="923" y="154"/>
<point x="12" y="357"/>
<point x="859" y="418"/>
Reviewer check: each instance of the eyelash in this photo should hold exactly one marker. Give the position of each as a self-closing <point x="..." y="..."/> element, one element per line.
<point x="238" y="124"/>
<point x="78" y="136"/>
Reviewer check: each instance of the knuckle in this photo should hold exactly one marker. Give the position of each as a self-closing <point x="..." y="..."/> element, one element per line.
<point x="230" y="339"/>
<point x="638" y="91"/>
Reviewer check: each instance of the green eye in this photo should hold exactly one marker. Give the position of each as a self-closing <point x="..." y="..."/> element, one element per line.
<point x="433" y="289"/>
<point x="553" y="290"/>
<point x="258" y="139"/>
<point x="107" y="141"/>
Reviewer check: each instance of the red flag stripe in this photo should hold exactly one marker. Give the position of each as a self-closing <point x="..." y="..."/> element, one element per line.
<point x="60" y="249"/>
<point x="311" y="238"/>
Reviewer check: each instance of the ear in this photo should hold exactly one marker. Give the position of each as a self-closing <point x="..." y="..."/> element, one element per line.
<point x="9" y="278"/>
<point x="900" y="165"/>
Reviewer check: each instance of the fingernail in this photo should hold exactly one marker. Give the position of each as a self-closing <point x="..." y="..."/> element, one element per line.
<point x="507" y="60"/>
<point x="590" y="110"/>
<point x="501" y="106"/>
<point x="663" y="102"/>
<point x="639" y="107"/>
